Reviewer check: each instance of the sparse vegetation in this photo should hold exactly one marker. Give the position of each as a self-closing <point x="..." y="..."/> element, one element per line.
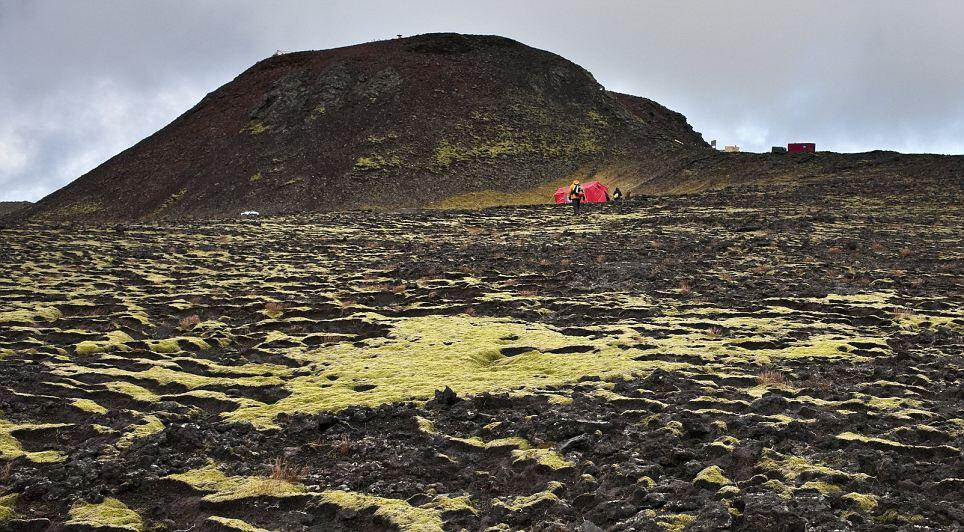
<point x="281" y="469"/>
<point x="685" y="288"/>
<point x="255" y="127"/>
<point x="769" y="377"/>
<point x="171" y="200"/>
<point x="188" y="323"/>
<point x="377" y="162"/>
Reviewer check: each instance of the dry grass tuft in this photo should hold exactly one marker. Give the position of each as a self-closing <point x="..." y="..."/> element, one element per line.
<point x="343" y="447"/>
<point x="819" y="383"/>
<point x="770" y="376"/>
<point x="345" y="305"/>
<point x="529" y="293"/>
<point x="903" y="313"/>
<point x="6" y="474"/>
<point x="685" y="288"/>
<point x="274" y="306"/>
<point x="906" y="252"/>
<point x="399" y="288"/>
<point x="282" y="470"/>
<point x="761" y="269"/>
<point x="715" y="331"/>
<point x="835" y="250"/>
<point x="189" y="322"/>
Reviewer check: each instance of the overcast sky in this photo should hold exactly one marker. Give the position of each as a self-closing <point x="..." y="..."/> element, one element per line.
<point x="81" y="80"/>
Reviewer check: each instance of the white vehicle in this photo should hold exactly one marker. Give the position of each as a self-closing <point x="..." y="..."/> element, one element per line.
<point x="250" y="213"/>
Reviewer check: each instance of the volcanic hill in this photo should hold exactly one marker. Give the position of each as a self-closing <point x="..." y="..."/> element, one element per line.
<point x="441" y="120"/>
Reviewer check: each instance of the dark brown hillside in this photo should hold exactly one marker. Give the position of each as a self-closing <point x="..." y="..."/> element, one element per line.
<point x="8" y="208"/>
<point x="410" y="122"/>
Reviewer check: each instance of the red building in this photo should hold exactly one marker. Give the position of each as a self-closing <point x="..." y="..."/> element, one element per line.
<point x="801" y="147"/>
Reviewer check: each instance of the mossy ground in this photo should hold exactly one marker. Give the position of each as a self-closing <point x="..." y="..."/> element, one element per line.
<point x="742" y="346"/>
<point x="111" y="513"/>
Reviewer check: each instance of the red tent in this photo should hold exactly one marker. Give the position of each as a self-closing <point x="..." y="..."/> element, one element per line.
<point x="596" y="192"/>
<point x="561" y="195"/>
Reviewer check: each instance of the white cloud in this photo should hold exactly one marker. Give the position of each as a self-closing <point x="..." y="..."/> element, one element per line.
<point x="13" y="151"/>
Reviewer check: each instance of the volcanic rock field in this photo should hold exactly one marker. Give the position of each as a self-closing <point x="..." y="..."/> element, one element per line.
<point x="773" y="358"/>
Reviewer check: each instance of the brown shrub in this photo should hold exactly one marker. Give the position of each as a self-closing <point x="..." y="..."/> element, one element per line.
<point x="685" y="288"/>
<point x="834" y="250"/>
<point x="820" y="383"/>
<point x="343" y="447"/>
<point x="189" y="322"/>
<point x="761" y="269"/>
<point x="906" y="252"/>
<point x="331" y="338"/>
<point x="274" y="306"/>
<point x="282" y="470"/>
<point x="903" y="313"/>
<point x="770" y="376"/>
<point x="345" y="305"/>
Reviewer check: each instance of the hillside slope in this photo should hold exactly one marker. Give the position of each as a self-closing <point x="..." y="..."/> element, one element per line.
<point x="409" y="122"/>
<point x="8" y="208"/>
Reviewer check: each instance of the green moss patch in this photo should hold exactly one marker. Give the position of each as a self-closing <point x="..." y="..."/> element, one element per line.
<point x="111" y="513"/>
<point x="42" y="313"/>
<point x="424" y="354"/>
<point x="8" y="506"/>
<point x="11" y="449"/>
<point x="792" y="467"/>
<point x="398" y="513"/>
<point x="711" y="477"/>
<point x="88" y="405"/>
<point x="222" y="488"/>
<point x="546" y="457"/>
<point x="115" y="341"/>
<point x="150" y="425"/>
<point x="864" y="501"/>
<point x="521" y="504"/>
<point x="235" y="524"/>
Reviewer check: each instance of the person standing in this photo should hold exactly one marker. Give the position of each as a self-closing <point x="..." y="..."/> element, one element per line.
<point x="576" y="195"/>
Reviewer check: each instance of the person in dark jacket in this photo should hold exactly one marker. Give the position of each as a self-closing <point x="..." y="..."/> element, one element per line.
<point x="576" y="195"/>
<point x="617" y="195"/>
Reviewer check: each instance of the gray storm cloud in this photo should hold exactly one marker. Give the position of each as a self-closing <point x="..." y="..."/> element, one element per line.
<point x="82" y="81"/>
